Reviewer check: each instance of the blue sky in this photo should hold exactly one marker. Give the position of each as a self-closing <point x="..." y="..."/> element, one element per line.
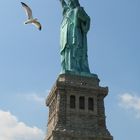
<point x="30" y="64"/>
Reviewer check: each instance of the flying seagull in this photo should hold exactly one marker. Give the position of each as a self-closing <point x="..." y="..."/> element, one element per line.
<point x="30" y="19"/>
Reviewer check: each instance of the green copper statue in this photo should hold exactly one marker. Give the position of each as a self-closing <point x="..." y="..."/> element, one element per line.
<point x="73" y="38"/>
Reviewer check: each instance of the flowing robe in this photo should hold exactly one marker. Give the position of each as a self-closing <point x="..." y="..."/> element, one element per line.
<point x="73" y="40"/>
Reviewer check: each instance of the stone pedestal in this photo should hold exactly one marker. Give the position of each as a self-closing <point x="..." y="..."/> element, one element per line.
<point x="76" y="109"/>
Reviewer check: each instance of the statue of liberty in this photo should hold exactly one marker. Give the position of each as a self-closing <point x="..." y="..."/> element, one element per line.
<point x="73" y="38"/>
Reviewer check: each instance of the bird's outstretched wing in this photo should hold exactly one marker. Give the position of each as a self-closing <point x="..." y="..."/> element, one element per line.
<point x="37" y="24"/>
<point x="27" y="10"/>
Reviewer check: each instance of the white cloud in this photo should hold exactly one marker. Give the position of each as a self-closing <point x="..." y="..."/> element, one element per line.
<point x="33" y="97"/>
<point x="12" y="129"/>
<point x="131" y="102"/>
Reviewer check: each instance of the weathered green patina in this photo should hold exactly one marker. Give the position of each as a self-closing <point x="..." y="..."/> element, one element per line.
<point x="73" y="38"/>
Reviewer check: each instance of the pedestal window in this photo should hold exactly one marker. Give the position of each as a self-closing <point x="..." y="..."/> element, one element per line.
<point x="82" y="102"/>
<point x="91" y="104"/>
<point x="72" y="101"/>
